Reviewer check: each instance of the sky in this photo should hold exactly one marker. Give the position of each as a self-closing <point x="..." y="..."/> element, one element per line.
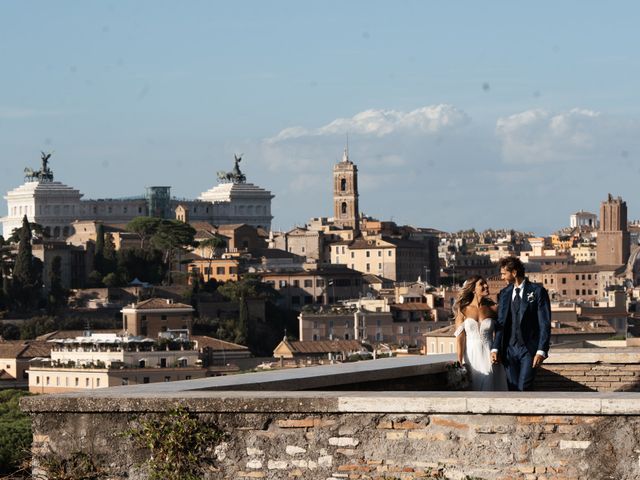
<point x="459" y="115"/>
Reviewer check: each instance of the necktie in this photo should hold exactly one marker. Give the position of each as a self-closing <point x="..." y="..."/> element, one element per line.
<point x="516" y="301"/>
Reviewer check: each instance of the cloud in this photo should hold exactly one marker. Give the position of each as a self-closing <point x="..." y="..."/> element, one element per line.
<point x="431" y="120"/>
<point x="540" y="136"/>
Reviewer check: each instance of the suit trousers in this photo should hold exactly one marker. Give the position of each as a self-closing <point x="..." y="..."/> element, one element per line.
<point x="519" y="368"/>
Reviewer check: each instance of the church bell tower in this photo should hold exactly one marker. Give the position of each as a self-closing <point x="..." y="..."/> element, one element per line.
<point x="345" y="194"/>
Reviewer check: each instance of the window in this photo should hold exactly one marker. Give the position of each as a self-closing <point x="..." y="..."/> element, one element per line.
<point x="220" y="270"/>
<point x="589" y="277"/>
<point x="379" y="266"/>
<point x="389" y="253"/>
<point x="343" y="208"/>
<point x="584" y="291"/>
<point x="583" y="276"/>
<point x="368" y="254"/>
<point x="368" y="267"/>
<point x="319" y="282"/>
<point x="163" y="317"/>
<point x="379" y="253"/>
<point x="343" y="184"/>
<point x="77" y="381"/>
<point x="564" y="280"/>
<point x="564" y="292"/>
<point x="282" y="283"/>
<point x="37" y="380"/>
<point x="296" y="283"/>
<point x="187" y="377"/>
<point x="433" y="347"/>
<point x="577" y="277"/>
<point x="167" y="379"/>
<point x="125" y="381"/>
<point x="308" y="283"/>
<point x="442" y="348"/>
<point x="145" y="379"/>
<point x="577" y="291"/>
<point x="97" y="382"/>
<point x="353" y="255"/>
<point x="86" y="382"/>
<point x="47" y="380"/>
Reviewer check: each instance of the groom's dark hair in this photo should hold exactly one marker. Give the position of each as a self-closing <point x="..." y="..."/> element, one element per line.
<point x="513" y="264"/>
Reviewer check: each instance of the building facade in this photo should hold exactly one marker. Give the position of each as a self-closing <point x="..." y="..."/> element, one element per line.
<point x="346" y="211"/>
<point x="613" y="243"/>
<point x="56" y="206"/>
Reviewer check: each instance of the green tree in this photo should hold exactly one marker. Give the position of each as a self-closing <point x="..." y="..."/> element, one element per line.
<point x="211" y="246"/>
<point x="173" y="237"/>
<point x="145" y="265"/>
<point x="15" y="432"/>
<point x="25" y="279"/>
<point x="249" y="286"/>
<point x="98" y="259"/>
<point x="108" y="254"/>
<point x="144" y="227"/>
<point x="58" y="295"/>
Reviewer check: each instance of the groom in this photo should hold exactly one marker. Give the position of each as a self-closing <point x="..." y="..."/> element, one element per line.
<point x="523" y="328"/>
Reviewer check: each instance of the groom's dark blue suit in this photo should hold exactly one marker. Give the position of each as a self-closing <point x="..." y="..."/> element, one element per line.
<point x="523" y="329"/>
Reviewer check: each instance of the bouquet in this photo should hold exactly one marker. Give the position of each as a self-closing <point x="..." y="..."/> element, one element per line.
<point x="458" y="377"/>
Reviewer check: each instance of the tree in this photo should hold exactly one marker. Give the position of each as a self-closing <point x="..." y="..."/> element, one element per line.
<point x="98" y="259"/>
<point x="173" y="237"/>
<point x="144" y="227"/>
<point x="58" y="295"/>
<point x="145" y="265"/>
<point x="25" y="279"/>
<point x="108" y="254"/>
<point x="15" y="434"/>
<point x="249" y="286"/>
<point x="212" y="246"/>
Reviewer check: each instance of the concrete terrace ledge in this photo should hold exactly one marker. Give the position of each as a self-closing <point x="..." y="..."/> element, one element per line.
<point x="496" y="403"/>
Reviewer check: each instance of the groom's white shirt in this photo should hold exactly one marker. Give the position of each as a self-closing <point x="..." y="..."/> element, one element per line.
<point x="542" y="353"/>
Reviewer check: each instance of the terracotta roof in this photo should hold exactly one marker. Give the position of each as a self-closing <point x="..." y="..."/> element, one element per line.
<point x="578" y="328"/>
<point x="442" y="332"/>
<point x="216" y="344"/>
<point x="326" y="346"/>
<point x="159" y="304"/>
<point x="232" y="226"/>
<point x="206" y="226"/>
<point x="24" y="349"/>
<point x="411" y="307"/>
<point x="4" y="375"/>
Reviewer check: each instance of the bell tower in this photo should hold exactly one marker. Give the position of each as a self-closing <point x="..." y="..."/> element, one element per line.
<point x="345" y="194"/>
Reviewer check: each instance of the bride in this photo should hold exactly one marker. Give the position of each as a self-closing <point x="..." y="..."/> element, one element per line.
<point x="475" y="316"/>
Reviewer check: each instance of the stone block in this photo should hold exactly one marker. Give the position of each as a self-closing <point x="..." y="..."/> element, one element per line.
<point x="348" y="452"/>
<point x="574" y="444"/>
<point x="344" y="441"/>
<point x="254" y="464"/>
<point x="277" y="465"/>
<point x="397" y="435"/>
<point x="294" y="450"/>
<point x="304" y="423"/>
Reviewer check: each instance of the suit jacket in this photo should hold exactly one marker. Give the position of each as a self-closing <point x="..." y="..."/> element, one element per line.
<point x="535" y="319"/>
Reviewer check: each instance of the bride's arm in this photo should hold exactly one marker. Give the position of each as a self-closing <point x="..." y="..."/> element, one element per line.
<point x="460" y="337"/>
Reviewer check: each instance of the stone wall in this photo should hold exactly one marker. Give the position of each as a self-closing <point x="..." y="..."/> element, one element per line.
<point x="596" y="370"/>
<point x="313" y="435"/>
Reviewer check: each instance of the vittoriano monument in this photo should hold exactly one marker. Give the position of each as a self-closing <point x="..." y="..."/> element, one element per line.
<point x="235" y="175"/>
<point x="45" y="174"/>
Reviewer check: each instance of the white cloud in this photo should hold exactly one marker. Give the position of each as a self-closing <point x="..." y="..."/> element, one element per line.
<point x="432" y="119"/>
<point x="539" y="136"/>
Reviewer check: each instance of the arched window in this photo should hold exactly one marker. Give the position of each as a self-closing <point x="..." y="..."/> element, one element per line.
<point x="343" y="184"/>
<point x="343" y="208"/>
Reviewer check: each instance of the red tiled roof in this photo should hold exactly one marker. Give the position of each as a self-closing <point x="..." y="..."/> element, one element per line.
<point x="216" y="344"/>
<point x="325" y="346"/>
<point x="24" y="349"/>
<point x="159" y="304"/>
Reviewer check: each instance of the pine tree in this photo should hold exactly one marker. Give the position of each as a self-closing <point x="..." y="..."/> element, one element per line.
<point x="108" y="254"/>
<point x="24" y="275"/>
<point x="57" y="293"/>
<point x="98" y="258"/>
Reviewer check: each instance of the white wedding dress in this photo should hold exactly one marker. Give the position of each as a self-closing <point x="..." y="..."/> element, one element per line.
<point x="485" y="376"/>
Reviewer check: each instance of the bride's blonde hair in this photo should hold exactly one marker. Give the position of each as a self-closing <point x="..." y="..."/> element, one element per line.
<point x="465" y="297"/>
